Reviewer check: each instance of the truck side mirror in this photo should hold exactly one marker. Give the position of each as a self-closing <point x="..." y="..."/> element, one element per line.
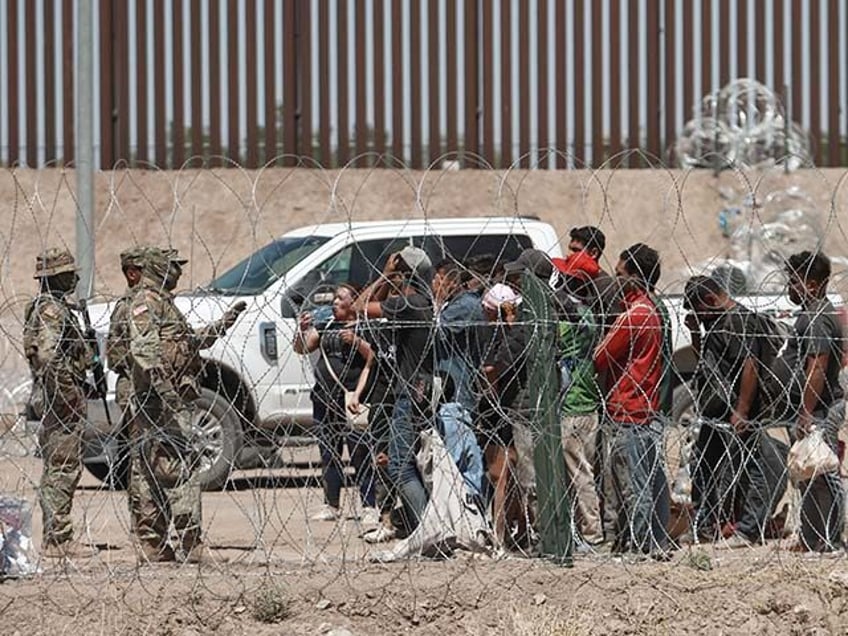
<point x="290" y="304"/>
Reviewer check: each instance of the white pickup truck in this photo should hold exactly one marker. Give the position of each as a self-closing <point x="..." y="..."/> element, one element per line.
<point x="256" y="390"/>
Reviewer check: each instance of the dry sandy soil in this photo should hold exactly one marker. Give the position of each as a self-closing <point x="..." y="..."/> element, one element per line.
<point x="267" y="561"/>
<point x="273" y="572"/>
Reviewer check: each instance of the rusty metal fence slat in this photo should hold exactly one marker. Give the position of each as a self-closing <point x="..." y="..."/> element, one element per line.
<point x="68" y="99"/>
<point x="638" y="65"/>
<point x="49" y="101"/>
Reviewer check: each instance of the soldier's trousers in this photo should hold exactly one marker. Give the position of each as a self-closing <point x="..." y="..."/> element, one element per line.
<point x="60" y="440"/>
<point x="154" y="503"/>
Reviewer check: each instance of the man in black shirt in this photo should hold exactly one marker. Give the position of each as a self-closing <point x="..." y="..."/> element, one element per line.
<point x="821" y="349"/>
<point x="409" y="314"/>
<point x="734" y="463"/>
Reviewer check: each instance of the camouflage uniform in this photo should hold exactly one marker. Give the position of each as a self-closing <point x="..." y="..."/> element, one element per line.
<point x="58" y="357"/>
<point x="118" y="342"/>
<point x="164" y="352"/>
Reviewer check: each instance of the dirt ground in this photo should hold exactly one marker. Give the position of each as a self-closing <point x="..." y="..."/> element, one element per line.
<point x="272" y="571"/>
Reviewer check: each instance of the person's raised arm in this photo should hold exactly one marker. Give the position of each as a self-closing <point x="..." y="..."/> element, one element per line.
<point x="306" y="337"/>
<point x="368" y="302"/>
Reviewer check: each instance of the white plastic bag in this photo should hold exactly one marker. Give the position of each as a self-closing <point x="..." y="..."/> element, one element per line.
<point x="17" y="557"/>
<point x="356" y="421"/>
<point x="811" y="457"/>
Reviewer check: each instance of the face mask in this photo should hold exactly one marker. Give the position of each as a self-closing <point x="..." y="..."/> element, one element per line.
<point x="63" y="283"/>
<point x="173" y="277"/>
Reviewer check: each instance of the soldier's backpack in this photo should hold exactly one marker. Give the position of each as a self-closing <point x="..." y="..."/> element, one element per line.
<point x="780" y="372"/>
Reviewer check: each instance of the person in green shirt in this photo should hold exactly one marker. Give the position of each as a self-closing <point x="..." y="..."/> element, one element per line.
<point x="578" y="335"/>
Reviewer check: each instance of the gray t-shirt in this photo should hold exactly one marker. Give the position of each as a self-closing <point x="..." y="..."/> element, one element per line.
<point x="819" y="331"/>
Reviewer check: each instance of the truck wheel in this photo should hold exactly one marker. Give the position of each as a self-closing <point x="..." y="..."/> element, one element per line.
<point x="219" y="438"/>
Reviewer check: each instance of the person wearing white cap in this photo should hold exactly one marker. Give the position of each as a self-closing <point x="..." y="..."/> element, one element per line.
<point x="401" y="296"/>
<point x="505" y="380"/>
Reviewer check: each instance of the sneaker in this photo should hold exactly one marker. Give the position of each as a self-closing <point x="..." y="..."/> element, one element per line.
<point x="68" y="550"/>
<point x="151" y="553"/>
<point x="369" y="517"/>
<point x="382" y="534"/>
<point x="735" y="541"/>
<point x="327" y="513"/>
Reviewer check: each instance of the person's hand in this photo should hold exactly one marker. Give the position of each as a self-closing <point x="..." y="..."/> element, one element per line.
<point x="691" y="322"/>
<point x="347" y="336"/>
<point x="805" y="425"/>
<point x="381" y="460"/>
<point x="232" y="314"/>
<point x="304" y="321"/>
<point x="354" y="406"/>
<point x="391" y="264"/>
<point x="739" y="423"/>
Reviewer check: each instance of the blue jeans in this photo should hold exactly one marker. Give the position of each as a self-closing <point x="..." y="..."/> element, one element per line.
<point x="455" y="426"/>
<point x="823" y="498"/>
<point x="461" y="374"/>
<point x="332" y="436"/>
<point x="402" y="469"/>
<point x="641" y="487"/>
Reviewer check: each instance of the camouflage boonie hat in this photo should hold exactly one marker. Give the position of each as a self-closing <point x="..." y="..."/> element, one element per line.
<point x="54" y="261"/>
<point x="133" y="257"/>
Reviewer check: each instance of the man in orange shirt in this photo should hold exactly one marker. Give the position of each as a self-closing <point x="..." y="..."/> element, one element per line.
<point x="631" y="354"/>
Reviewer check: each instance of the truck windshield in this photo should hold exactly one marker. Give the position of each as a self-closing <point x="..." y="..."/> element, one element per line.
<point x="259" y="270"/>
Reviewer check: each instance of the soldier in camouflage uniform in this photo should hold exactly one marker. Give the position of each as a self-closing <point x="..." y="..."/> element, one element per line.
<point x="164" y="351"/>
<point x="118" y="342"/>
<point x="58" y="357"/>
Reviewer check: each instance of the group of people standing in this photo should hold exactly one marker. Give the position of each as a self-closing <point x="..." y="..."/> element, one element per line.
<point x="155" y="354"/>
<point x="755" y="378"/>
<point x="427" y="346"/>
<point x="453" y="346"/>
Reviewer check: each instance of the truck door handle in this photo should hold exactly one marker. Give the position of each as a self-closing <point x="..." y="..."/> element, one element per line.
<point x="268" y="341"/>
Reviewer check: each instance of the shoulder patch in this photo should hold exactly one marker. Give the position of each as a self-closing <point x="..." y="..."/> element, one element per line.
<point x="139" y="310"/>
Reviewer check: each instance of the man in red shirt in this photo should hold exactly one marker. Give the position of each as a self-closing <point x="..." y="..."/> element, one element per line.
<point x="631" y="354"/>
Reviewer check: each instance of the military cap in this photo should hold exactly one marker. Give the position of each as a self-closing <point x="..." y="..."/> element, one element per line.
<point x="155" y="262"/>
<point x="133" y="257"/>
<point x="52" y="261"/>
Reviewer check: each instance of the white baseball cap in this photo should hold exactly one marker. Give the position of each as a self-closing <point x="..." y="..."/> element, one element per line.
<point x="499" y="294"/>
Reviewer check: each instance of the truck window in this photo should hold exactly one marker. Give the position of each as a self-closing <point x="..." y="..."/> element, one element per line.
<point x="358" y="263"/>
<point x="258" y="271"/>
<point x="504" y="247"/>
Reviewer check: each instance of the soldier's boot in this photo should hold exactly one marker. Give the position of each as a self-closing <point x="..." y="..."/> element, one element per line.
<point x="192" y="548"/>
<point x="149" y="552"/>
<point x="70" y="549"/>
<point x="196" y="553"/>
